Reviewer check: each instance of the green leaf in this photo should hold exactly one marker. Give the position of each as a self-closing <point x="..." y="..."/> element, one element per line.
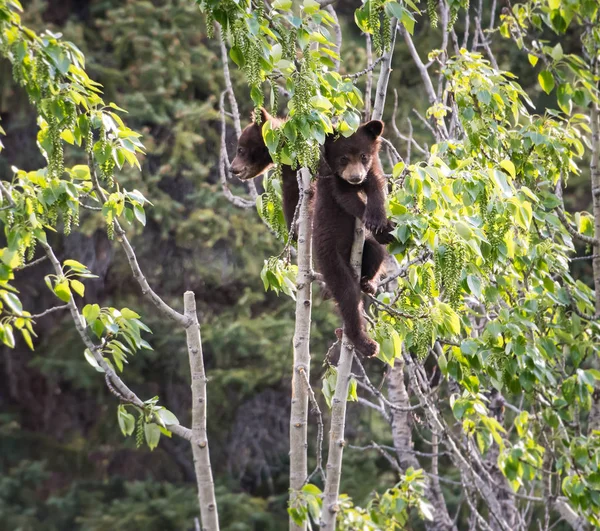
<point x="282" y="5"/>
<point x="62" y="291"/>
<point x="474" y="285"/>
<point x="352" y="395"/>
<point x="312" y="489"/>
<point x="81" y="172"/>
<point x="533" y="59"/>
<point x="237" y="56"/>
<point x="13" y="302"/>
<point x="546" y="80"/>
<point x="152" y="434"/>
<point x="140" y="214"/>
<point x="91" y="360"/>
<point x="398" y="169"/>
<point x="168" y="418"/>
<point x="509" y="167"/>
<point x="464" y="230"/>
<point x="90" y="313"/>
<point x="311" y="6"/>
<point x="129" y="314"/>
<point x="78" y="287"/>
<point x="320" y="102"/>
<point x="126" y="421"/>
<point x="27" y="337"/>
<point x="75" y="265"/>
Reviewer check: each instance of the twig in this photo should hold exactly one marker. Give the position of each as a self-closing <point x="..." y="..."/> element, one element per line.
<point x="147" y="291"/>
<point x="235" y="111"/>
<point x="369" y="82"/>
<point x="572" y="230"/>
<point x="403" y="271"/>
<point x="317" y="411"/>
<point x="48" y="311"/>
<point x="224" y="163"/>
<point x="370" y="65"/>
<point x="31" y="264"/>
<point x="376" y="392"/>
<point x="392" y="148"/>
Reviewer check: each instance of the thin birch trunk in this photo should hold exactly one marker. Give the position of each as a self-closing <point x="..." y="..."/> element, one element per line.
<point x="384" y="75"/>
<point x="595" y="175"/>
<point x="338" y="405"/>
<point x="199" y="442"/>
<point x="299" y="413"/>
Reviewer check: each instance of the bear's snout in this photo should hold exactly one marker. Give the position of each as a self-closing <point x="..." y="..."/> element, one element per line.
<point x="354" y="173"/>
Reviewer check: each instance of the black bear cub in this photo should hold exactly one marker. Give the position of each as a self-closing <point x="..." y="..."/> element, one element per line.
<point x="253" y="158"/>
<point x="354" y="188"/>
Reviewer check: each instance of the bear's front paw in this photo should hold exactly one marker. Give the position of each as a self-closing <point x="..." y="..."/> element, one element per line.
<point x="376" y="221"/>
<point x="368" y="286"/>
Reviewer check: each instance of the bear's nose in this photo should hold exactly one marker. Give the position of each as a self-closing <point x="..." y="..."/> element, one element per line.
<point x="237" y="171"/>
<point x="356" y="179"/>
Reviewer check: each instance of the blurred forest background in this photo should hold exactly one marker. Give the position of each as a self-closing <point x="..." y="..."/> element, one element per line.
<point x="63" y="461"/>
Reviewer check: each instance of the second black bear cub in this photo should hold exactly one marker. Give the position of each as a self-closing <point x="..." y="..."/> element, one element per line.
<point x="253" y="158"/>
<point x="355" y="188"/>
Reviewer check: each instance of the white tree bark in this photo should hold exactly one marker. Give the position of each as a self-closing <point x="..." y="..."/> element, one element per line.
<point x="338" y="405"/>
<point x="384" y="75"/>
<point x="299" y="413"/>
<point x="199" y="442"/>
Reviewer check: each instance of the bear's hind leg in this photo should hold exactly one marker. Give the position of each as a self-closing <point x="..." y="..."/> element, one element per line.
<point x="373" y="257"/>
<point x="345" y="289"/>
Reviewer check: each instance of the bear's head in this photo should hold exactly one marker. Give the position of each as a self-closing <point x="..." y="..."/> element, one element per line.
<point x="351" y="158"/>
<point x="252" y="156"/>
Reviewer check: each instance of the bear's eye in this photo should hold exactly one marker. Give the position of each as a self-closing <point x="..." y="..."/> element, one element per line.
<point x="364" y="158"/>
<point x="344" y="160"/>
<point x="240" y="151"/>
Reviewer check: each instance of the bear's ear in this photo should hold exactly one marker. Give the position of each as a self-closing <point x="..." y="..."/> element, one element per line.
<point x="373" y="128"/>
<point x="264" y="115"/>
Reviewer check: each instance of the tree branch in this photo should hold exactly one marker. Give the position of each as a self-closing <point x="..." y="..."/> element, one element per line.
<point x="384" y="74"/>
<point x="199" y="441"/>
<point x="147" y="291"/>
<point x="118" y="384"/>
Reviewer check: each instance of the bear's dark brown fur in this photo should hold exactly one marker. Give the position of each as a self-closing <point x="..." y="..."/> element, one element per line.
<point x="354" y="188"/>
<point x="253" y="158"/>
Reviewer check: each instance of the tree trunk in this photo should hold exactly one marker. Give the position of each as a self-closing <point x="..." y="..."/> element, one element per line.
<point x="338" y="405"/>
<point x="204" y="479"/>
<point x="299" y="413"/>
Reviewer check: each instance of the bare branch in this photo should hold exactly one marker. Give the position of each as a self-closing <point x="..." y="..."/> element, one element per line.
<point x="48" y="311"/>
<point x="370" y="64"/>
<point x="572" y="230"/>
<point x="147" y="291"/>
<point x="224" y="163"/>
<point x="317" y="410"/>
<point x="403" y="271"/>
<point x="369" y="72"/>
<point x="31" y="264"/>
